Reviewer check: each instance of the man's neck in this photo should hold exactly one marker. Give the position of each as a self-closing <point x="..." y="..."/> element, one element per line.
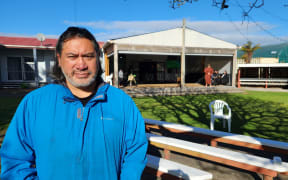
<point x="82" y="92"/>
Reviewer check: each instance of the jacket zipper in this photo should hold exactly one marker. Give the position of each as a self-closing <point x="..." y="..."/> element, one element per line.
<point x="80" y="112"/>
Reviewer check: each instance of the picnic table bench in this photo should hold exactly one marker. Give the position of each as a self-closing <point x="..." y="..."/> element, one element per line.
<point x="223" y="137"/>
<point x="253" y="163"/>
<point x="167" y="169"/>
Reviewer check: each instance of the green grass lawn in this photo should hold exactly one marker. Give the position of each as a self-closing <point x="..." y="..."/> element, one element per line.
<point x="8" y="107"/>
<point x="260" y="114"/>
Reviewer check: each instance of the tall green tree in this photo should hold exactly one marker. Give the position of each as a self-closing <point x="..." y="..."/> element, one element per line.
<point x="248" y="51"/>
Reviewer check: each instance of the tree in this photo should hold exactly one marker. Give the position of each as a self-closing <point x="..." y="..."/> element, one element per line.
<point x="248" y="51"/>
<point x="222" y="4"/>
<point x="178" y="3"/>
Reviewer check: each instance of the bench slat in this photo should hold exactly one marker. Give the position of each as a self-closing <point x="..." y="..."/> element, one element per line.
<point x="231" y="136"/>
<point x="177" y="169"/>
<point x="220" y="153"/>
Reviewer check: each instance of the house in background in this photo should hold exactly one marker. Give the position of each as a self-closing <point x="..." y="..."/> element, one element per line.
<point x="25" y="60"/>
<point x="156" y="58"/>
<point x="268" y="67"/>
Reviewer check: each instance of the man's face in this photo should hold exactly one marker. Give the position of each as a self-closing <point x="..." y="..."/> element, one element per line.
<point x="78" y="62"/>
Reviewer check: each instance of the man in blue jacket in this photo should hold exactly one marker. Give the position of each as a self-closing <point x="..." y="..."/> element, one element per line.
<point x="78" y="128"/>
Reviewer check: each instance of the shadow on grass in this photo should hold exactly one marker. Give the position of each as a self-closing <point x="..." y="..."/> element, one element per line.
<point x="250" y="116"/>
<point x="8" y="106"/>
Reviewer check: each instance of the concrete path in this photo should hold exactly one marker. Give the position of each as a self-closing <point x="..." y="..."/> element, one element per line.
<point x="264" y="89"/>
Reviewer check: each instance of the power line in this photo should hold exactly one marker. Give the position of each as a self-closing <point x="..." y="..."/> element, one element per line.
<point x="273" y="15"/>
<point x="222" y="4"/>
<point x="236" y="27"/>
<point x="267" y="31"/>
<point x="241" y="7"/>
<point x="254" y="5"/>
<point x="259" y="25"/>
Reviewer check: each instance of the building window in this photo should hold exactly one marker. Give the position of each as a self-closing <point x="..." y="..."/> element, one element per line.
<point x="28" y="65"/>
<point x="20" y="69"/>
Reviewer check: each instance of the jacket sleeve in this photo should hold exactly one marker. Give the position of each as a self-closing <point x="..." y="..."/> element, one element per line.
<point x="17" y="154"/>
<point x="135" y="158"/>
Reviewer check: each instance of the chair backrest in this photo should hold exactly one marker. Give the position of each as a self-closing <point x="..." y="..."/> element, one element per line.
<point x="109" y="78"/>
<point x="131" y="77"/>
<point x="216" y="107"/>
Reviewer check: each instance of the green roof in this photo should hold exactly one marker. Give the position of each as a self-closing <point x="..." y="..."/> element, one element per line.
<point x="277" y="51"/>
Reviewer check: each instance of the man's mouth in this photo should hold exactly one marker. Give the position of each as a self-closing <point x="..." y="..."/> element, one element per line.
<point x="81" y="74"/>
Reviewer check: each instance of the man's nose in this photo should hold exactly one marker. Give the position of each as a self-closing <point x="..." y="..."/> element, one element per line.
<point x="81" y="63"/>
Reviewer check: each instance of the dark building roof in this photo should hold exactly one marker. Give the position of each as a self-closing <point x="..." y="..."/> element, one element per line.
<point x="29" y="42"/>
<point x="26" y="42"/>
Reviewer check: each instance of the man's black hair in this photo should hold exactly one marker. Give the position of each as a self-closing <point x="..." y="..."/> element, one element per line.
<point x="70" y="33"/>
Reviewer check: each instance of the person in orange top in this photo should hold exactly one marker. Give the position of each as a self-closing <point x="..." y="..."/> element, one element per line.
<point x="208" y="72"/>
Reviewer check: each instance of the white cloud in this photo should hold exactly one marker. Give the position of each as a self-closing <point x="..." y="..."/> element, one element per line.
<point x="143" y="26"/>
<point x="228" y="27"/>
<point x="238" y="39"/>
<point x="237" y="32"/>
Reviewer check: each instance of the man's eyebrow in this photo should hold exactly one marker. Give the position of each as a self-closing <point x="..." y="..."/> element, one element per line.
<point x="76" y="54"/>
<point x="71" y="53"/>
<point x="90" y="52"/>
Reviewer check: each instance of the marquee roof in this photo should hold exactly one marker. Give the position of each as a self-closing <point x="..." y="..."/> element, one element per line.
<point x="173" y="37"/>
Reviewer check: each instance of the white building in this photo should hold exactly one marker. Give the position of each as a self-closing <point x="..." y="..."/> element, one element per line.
<point x="156" y="57"/>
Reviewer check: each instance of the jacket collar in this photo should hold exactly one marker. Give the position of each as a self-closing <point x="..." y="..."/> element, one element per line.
<point x="100" y="95"/>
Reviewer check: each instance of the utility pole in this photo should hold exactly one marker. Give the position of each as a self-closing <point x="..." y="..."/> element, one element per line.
<point x="36" y="67"/>
<point x="115" y="76"/>
<point x="183" y="55"/>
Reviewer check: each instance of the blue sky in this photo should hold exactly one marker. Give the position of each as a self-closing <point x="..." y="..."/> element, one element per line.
<point x="108" y="19"/>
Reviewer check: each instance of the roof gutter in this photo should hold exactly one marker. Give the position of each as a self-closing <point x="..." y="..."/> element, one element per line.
<point x="107" y="43"/>
<point x="30" y="47"/>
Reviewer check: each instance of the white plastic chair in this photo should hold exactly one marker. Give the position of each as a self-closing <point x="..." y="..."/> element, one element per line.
<point x="216" y="109"/>
<point x="109" y="78"/>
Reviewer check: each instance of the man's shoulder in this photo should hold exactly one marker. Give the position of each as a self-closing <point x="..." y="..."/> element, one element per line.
<point x="45" y="90"/>
<point x="42" y="94"/>
<point x="116" y="92"/>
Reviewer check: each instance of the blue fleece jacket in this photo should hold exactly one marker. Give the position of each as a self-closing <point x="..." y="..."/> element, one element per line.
<point x="52" y="136"/>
